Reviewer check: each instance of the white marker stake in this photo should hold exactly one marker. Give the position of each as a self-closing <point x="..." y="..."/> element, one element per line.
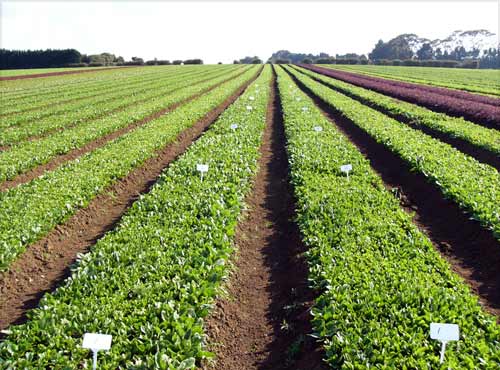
<point x="234" y="126"/>
<point x="444" y="333"/>
<point x="249" y="107"/>
<point x="346" y="168"/>
<point x="96" y="342"/>
<point x="318" y="128"/>
<point x="202" y="168"/>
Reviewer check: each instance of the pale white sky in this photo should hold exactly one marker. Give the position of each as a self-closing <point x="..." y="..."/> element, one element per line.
<point x="223" y="31"/>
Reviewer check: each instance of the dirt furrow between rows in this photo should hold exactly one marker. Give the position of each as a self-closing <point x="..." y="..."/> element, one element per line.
<point x="46" y="263"/>
<point x="263" y="320"/>
<point x="471" y="250"/>
<point x="78" y="152"/>
<point x="480" y="154"/>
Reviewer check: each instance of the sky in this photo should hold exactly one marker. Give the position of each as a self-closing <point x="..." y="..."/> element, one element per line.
<point x="224" y="31"/>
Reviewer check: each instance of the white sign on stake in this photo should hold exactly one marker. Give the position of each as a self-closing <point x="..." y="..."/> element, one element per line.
<point x="346" y="168"/>
<point x="96" y="342"/>
<point x="202" y="168"/>
<point x="234" y="126"/>
<point x="318" y="128"/>
<point x="444" y="333"/>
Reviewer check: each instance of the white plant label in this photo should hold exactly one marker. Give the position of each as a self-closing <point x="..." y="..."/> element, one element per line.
<point x="444" y="333"/>
<point x="318" y="128"/>
<point x="346" y="168"/>
<point x="251" y="98"/>
<point x="234" y="126"/>
<point x="96" y="342"/>
<point x="202" y="168"/>
<point x="249" y="107"/>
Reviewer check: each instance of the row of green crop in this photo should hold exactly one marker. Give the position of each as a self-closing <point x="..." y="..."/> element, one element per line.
<point x="380" y="280"/>
<point x="31" y="210"/>
<point x="17" y="134"/>
<point x="151" y="282"/>
<point x="84" y="107"/>
<point x="477" y="81"/>
<point x="27" y="155"/>
<point x="54" y="84"/>
<point x="31" y="107"/>
<point x="474" y="186"/>
<point x="34" y="100"/>
<point x="477" y="135"/>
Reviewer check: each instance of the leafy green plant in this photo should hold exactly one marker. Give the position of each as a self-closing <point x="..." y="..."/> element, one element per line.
<point x="474" y="186"/>
<point x="151" y="282"/>
<point x="380" y="280"/>
<point x="31" y="210"/>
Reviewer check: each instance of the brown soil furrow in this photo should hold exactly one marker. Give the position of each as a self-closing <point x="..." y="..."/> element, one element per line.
<point x="46" y="263"/>
<point x="471" y="250"/>
<point x="112" y="111"/>
<point x="266" y="310"/>
<point x="480" y="154"/>
<point x="52" y="74"/>
<point x="78" y="152"/>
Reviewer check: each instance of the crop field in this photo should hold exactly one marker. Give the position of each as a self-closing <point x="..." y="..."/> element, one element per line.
<point x="36" y="71"/>
<point x="482" y="81"/>
<point x="249" y="216"/>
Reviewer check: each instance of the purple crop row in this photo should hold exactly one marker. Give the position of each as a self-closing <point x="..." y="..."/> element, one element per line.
<point x="433" y="89"/>
<point x="480" y="113"/>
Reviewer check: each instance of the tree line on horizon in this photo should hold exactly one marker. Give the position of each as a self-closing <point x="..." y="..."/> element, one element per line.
<point x="52" y="58"/>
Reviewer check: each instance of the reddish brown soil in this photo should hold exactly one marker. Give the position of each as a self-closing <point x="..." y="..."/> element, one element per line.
<point x="266" y="310"/>
<point x="471" y="250"/>
<point x="75" y="153"/>
<point x="45" y="264"/>
<point x="480" y="154"/>
<point x="52" y="74"/>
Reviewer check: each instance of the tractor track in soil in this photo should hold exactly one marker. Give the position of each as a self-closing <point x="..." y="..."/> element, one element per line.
<point x="471" y="250"/>
<point x="267" y="307"/>
<point x="46" y="263"/>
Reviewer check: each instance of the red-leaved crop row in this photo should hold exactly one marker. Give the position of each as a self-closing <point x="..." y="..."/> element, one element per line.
<point x="446" y="101"/>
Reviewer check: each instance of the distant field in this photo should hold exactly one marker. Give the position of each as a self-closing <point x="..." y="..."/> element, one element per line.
<point x="24" y="72"/>
<point x="483" y="81"/>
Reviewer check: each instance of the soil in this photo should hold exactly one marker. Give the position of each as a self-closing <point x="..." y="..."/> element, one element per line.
<point x="471" y="250"/>
<point x="78" y="152"/>
<point x="46" y="263"/>
<point x="52" y="74"/>
<point x="263" y="320"/>
<point x="480" y="154"/>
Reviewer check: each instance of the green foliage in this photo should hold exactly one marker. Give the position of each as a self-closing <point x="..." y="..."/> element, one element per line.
<point x="151" y="282"/>
<point x="31" y="210"/>
<point x="480" y="136"/>
<point x="478" y="81"/>
<point x="156" y="96"/>
<point x="469" y="183"/>
<point x="381" y="282"/>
